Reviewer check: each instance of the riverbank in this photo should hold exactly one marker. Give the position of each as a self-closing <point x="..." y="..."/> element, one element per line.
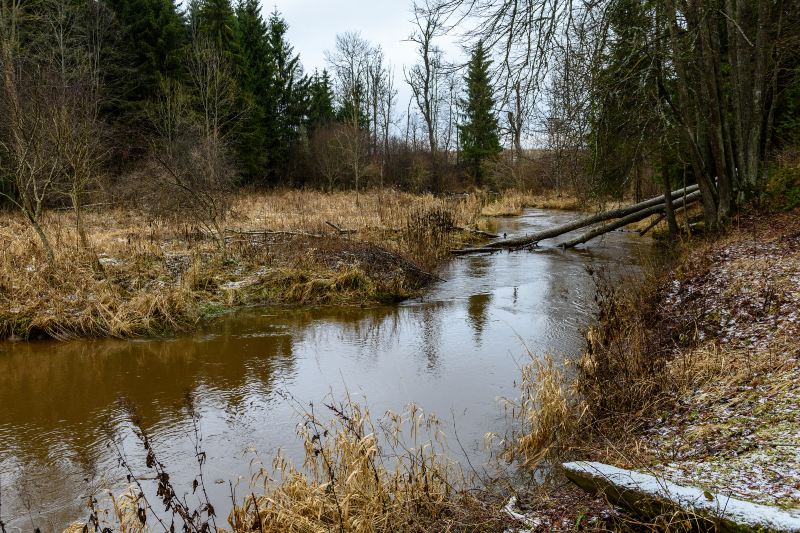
<point x="148" y="276"/>
<point x="145" y="276"/>
<point x="692" y="375"/>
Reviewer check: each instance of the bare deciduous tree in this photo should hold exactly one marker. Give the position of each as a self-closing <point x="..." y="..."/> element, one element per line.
<point x="350" y="62"/>
<point x="425" y="77"/>
<point x="51" y="142"/>
<point x="192" y="146"/>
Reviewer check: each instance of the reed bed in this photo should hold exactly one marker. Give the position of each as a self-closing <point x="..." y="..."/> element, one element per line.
<point x="514" y="202"/>
<point x="144" y="275"/>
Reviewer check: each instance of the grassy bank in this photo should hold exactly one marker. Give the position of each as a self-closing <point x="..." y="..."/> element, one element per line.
<point x="692" y="374"/>
<point x="144" y="276"/>
<point x="513" y="202"/>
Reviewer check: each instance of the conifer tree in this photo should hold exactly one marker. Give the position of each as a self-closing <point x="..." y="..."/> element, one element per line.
<point x="151" y="46"/>
<point x="479" y="132"/>
<point x="284" y="99"/>
<point x="217" y="23"/>
<point x="320" y="101"/>
<point x="255" y="79"/>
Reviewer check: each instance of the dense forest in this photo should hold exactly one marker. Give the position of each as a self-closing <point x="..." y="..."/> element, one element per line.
<point x="135" y="97"/>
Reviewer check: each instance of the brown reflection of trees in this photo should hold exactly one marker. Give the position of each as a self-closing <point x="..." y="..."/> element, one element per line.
<point x="67" y="390"/>
<point x="478" y="266"/>
<point x="55" y="398"/>
<point x="478" y="313"/>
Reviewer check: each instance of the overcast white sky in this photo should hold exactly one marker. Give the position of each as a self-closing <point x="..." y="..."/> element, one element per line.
<point x="314" y="24"/>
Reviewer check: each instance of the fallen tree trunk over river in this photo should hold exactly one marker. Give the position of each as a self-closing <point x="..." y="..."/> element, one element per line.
<point x="630" y="214"/>
<point x="630" y="219"/>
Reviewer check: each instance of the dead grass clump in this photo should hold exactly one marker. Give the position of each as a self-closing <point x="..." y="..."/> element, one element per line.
<point x="146" y="275"/>
<point x="363" y="476"/>
<point x="547" y="414"/>
<point x="619" y="380"/>
<point x="427" y="234"/>
<point x="359" y="475"/>
<point x="620" y="376"/>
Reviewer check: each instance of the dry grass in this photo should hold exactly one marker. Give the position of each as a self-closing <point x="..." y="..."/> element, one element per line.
<point x="513" y="202"/>
<point x="145" y="276"/>
<point x="359" y="475"/>
<point x="691" y="373"/>
<point x="546" y="415"/>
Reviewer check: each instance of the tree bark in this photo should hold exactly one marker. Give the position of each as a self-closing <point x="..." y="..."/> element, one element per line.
<point x="666" y="186"/>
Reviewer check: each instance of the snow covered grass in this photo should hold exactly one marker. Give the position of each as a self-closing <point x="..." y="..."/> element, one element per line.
<point x="692" y="373"/>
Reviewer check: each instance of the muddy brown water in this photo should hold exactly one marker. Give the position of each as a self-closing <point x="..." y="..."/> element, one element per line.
<point x="453" y="352"/>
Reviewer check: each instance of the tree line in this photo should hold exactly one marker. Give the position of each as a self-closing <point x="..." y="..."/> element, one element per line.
<point x="173" y="107"/>
<point x="152" y="71"/>
<point x="670" y="92"/>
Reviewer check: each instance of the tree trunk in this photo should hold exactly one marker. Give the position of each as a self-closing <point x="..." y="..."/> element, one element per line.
<point x="666" y="186"/>
<point x="529" y="240"/>
<point x="48" y="248"/>
<point x="630" y="219"/>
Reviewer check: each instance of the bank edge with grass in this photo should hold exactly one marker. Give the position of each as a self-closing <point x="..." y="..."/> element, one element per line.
<point x="691" y="374"/>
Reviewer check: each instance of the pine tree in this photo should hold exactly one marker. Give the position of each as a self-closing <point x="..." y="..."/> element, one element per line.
<point x="479" y="132"/>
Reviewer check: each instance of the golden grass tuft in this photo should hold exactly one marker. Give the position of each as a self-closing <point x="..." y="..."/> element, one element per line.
<point x="358" y="476"/>
<point x="514" y="202"/>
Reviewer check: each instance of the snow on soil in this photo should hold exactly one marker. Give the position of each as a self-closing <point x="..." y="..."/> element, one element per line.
<point x="739" y="434"/>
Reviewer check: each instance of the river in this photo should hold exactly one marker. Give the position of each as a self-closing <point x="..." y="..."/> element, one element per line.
<point x="453" y="352"/>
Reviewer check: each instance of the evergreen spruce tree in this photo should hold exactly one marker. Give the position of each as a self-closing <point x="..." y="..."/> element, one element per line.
<point x="255" y="79"/>
<point x="320" y="101"/>
<point x="352" y="105"/>
<point x="284" y="99"/>
<point x="216" y="21"/>
<point x="479" y="132"/>
<point x="151" y="47"/>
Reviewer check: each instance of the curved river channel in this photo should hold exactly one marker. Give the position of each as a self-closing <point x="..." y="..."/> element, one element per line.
<point x="453" y="352"/>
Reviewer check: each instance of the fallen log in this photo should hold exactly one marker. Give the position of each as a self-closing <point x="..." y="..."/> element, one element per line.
<point x="265" y="233"/>
<point x="650" y="496"/>
<point x="341" y="231"/>
<point x="530" y="240"/>
<point x="659" y="219"/>
<point x="630" y="219"/>
<point x="652" y="225"/>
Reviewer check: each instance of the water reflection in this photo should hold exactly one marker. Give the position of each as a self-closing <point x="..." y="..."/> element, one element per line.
<point x="454" y="351"/>
<point x="478" y="313"/>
